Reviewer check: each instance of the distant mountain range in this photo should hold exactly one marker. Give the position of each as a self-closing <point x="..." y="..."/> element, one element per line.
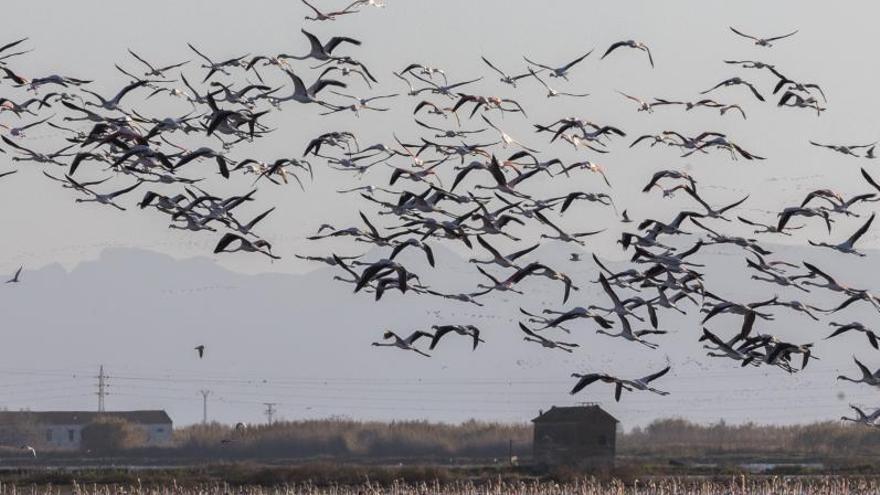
<point x="303" y="341"/>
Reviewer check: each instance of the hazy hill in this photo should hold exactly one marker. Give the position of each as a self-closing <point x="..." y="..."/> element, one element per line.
<point x="304" y="341"/>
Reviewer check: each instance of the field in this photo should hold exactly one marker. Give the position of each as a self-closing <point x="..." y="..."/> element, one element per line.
<point x="738" y="485"/>
<point x="417" y="451"/>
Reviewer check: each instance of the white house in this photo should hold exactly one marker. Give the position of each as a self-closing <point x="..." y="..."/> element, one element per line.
<point x="63" y="429"/>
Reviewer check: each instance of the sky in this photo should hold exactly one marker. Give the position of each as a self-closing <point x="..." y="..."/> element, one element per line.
<point x="688" y="56"/>
<point x="44" y="228"/>
<point x="302" y="341"/>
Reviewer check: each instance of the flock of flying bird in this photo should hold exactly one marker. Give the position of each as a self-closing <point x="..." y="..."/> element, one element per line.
<point x="487" y="202"/>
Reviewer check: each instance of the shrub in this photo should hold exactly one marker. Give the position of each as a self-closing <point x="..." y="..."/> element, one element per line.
<point x="108" y="434"/>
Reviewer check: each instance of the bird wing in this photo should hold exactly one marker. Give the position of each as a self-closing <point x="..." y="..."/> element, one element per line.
<point x="618" y="389"/>
<point x="748" y="323"/>
<point x="707" y="229"/>
<point x="128" y="88"/>
<point x="611" y="48"/>
<point x="429" y="253"/>
<point x="322" y="83"/>
<point x="462" y="174"/>
<point x="518" y="254"/>
<point x="77" y="185"/>
<point x="535" y="75"/>
<point x="870" y="180"/>
<point x="16" y="146"/>
<point x="733" y="205"/>
<point x="538" y="65"/>
<point x="172" y="66"/>
<point x="860" y="197"/>
<point x="259" y="217"/>
<point x="783" y="36"/>
<point x="337" y="40"/>
<point x="496" y="69"/>
<point x="547" y="222"/>
<point x="830" y="146"/>
<point x="749" y="222"/>
<point x="839" y="331"/>
<point x="608" y="290"/>
<point x="456" y="85"/>
<point x="418" y="334"/>
<point x="200" y="54"/>
<point x="495" y="168"/>
<point x="439" y="332"/>
<point x="12" y="75"/>
<point x="339" y="262"/>
<point x="488" y="247"/>
<point x="784" y="217"/>
<point x="10" y="45"/>
<point x="711" y="337"/>
<point x="652" y="315"/>
<point x="584" y="381"/>
<point x="524" y="272"/>
<point x="859" y="233"/>
<point x="426" y="126"/>
<point x="627" y="328"/>
<point x="755" y="91"/>
<point x="865" y="371"/>
<point x="656" y="375"/>
<point x="32" y="124"/>
<point x="642" y="138"/>
<point x="714" y="87"/>
<point x="529" y="332"/>
<point x="602" y="266"/>
<point x="576" y="61"/>
<point x="743" y="34"/>
<point x="633" y="98"/>
<point x="369" y="274"/>
<point x="475" y="333"/>
<point x="135" y="55"/>
<point x="493" y="126"/>
<point x="127" y="189"/>
<point x="487" y="274"/>
<point x="298" y="85"/>
<point x="225" y="241"/>
<point x="315" y="44"/>
<point x="657" y="176"/>
<point x="370" y="226"/>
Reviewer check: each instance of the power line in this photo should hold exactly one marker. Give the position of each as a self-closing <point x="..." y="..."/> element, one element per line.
<point x="182" y="376"/>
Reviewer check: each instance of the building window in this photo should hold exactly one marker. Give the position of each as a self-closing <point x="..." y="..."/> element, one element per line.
<point x="71" y="434"/>
<point x="160" y="430"/>
<point x="49" y="435"/>
<point x="603" y="440"/>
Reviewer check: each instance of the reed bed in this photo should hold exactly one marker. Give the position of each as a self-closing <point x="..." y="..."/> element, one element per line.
<point x="737" y="485"/>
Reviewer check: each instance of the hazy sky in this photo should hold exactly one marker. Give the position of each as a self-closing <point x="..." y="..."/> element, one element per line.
<point x="688" y="39"/>
<point x="303" y="342"/>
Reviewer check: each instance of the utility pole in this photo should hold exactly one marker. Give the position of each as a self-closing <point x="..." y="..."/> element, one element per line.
<point x="270" y="411"/>
<point x="205" y="394"/>
<point x="102" y="388"/>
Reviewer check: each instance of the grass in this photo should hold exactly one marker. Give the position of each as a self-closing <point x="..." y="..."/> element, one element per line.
<point x="726" y="485"/>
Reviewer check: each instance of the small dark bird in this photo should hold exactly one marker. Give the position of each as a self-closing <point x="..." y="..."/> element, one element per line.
<point x="15" y="278"/>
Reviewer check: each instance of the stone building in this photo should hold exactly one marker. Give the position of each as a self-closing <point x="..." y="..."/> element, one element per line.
<point x="63" y="429"/>
<point x="577" y="436"/>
